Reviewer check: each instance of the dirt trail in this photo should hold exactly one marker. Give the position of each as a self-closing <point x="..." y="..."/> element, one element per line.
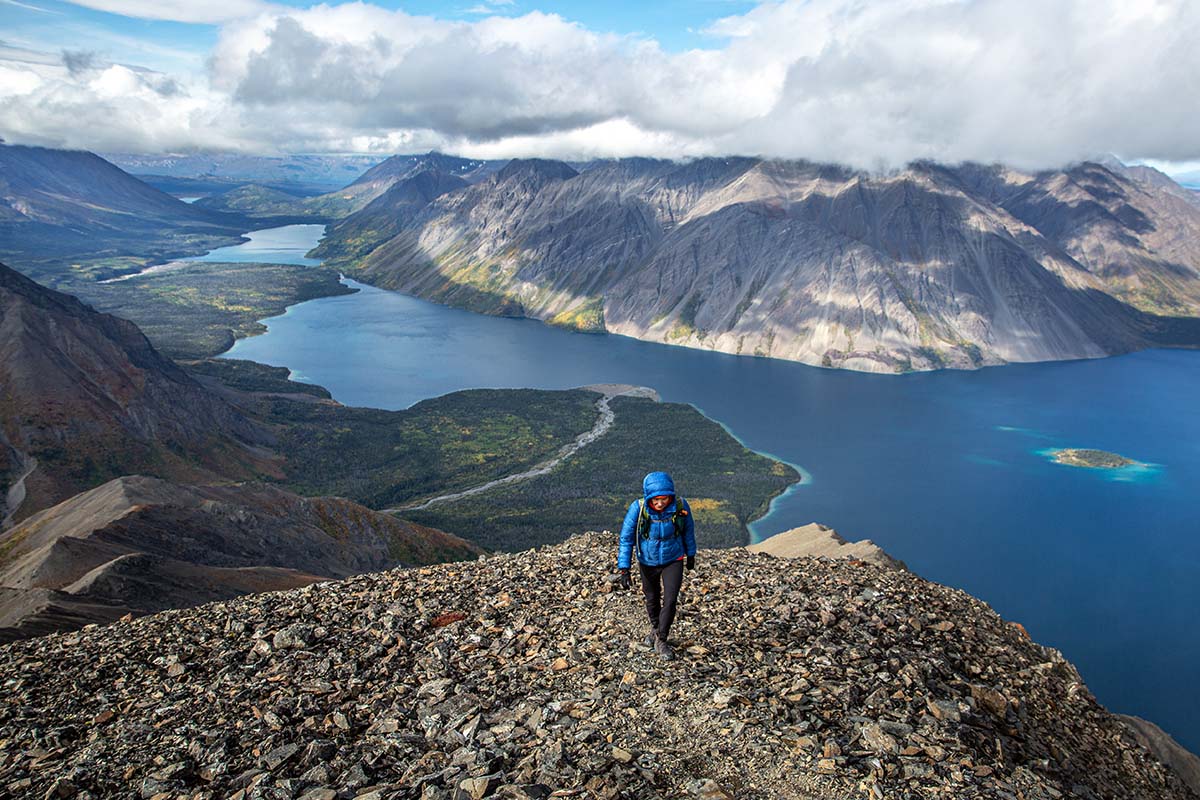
<point x="603" y="423"/>
<point x="16" y="492"/>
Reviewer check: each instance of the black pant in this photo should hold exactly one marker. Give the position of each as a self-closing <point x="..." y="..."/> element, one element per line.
<point x="661" y="587"/>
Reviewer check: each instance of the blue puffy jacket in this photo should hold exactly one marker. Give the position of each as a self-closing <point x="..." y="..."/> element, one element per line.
<point x="661" y="545"/>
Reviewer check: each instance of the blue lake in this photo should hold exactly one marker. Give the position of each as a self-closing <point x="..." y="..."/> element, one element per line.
<point x="944" y="470"/>
<point x="285" y="245"/>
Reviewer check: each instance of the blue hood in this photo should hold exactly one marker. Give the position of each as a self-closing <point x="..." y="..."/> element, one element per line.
<point x="657" y="483"/>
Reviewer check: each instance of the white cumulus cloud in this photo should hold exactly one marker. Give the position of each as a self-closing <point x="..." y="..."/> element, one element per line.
<point x="871" y="84"/>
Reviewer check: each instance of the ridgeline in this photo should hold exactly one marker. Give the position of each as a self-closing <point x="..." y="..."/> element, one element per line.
<point x="523" y="676"/>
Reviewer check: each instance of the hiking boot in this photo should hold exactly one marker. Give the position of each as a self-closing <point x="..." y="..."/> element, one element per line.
<point x="663" y="649"/>
<point x="651" y="638"/>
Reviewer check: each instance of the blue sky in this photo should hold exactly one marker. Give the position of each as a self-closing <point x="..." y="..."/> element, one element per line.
<point x="53" y="25"/>
<point x="871" y="84"/>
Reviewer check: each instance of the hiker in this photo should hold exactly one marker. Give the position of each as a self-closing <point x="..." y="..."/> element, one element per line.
<point x="661" y="526"/>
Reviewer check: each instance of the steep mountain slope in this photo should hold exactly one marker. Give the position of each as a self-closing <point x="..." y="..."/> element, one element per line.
<point x="386" y="215"/>
<point x="1141" y="237"/>
<point x="524" y="675"/>
<point x="1152" y="179"/>
<point x="141" y="545"/>
<point x="60" y="205"/>
<point x="84" y="397"/>
<point x="926" y="268"/>
<point x="379" y="178"/>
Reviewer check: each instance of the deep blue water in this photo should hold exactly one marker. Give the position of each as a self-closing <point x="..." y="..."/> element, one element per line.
<point x="944" y="470"/>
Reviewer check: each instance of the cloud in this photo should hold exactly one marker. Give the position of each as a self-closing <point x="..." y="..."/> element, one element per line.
<point x="179" y="10"/>
<point x="29" y="7"/>
<point x="113" y="107"/>
<point x="869" y="84"/>
<point x="489" y="7"/>
<point x="78" y="62"/>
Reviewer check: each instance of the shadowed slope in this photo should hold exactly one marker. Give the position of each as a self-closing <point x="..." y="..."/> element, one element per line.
<point x="60" y="205"/>
<point x="142" y="545"/>
<point x="88" y="398"/>
<point x="929" y="267"/>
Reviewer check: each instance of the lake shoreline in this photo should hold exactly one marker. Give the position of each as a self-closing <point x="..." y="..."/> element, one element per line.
<point x="927" y="466"/>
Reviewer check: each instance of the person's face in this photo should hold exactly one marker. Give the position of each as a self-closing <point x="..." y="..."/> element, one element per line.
<point x="660" y="502"/>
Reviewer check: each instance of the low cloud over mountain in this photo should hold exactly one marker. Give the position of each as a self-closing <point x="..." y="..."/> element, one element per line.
<point x="870" y="85"/>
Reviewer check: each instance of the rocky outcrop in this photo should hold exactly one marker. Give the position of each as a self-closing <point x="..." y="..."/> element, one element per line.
<point x="527" y="676"/>
<point x="1166" y="749"/>
<point x="818" y="541"/>
<point x="86" y="397"/>
<point x="139" y="545"/>
<point x="925" y="268"/>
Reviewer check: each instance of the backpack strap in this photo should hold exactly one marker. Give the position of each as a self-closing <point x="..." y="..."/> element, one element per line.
<point x="642" y="529"/>
<point x="679" y="518"/>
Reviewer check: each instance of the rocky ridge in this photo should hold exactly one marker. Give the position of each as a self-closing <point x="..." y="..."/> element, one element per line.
<point x="137" y="545"/>
<point x="820" y="540"/>
<point x="526" y="676"/>
<point x="1185" y="763"/>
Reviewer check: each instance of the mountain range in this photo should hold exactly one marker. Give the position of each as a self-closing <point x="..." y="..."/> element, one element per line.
<point x="932" y="266"/>
<point x="254" y="199"/>
<point x="235" y="169"/>
<point x="62" y="207"/>
<point x="926" y="267"/>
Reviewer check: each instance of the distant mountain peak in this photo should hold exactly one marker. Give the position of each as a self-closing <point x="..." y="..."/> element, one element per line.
<point x="542" y="168"/>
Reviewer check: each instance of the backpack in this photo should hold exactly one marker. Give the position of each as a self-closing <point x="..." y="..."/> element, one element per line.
<point x="678" y="519"/>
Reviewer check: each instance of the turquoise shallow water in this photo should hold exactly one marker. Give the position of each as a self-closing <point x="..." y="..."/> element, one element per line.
<point x="945" y="470"/>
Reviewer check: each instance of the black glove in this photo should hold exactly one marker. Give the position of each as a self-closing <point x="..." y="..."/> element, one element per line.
<point x="691" y="562"/>
<point x="625" y="582"/>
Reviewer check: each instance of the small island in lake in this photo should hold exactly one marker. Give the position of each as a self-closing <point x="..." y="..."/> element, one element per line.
<point x="1101" y="459"/>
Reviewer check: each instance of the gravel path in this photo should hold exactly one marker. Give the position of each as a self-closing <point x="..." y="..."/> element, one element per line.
<point x="603" y="423"/>
<point x="16" y="492"/>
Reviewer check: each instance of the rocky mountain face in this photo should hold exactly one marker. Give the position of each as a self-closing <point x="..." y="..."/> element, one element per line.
<point x="1152" y="179"/>
<point x="1139" y="233"/>
<point x="929" y="267"/>
<point x="386" y="215"/>
<point x="84" y="397"/>
<point x="381" y="177"/>
<point x="821" y="541"/>
<point x="527" y="676"/>
<point x="360" y="195"/>
<point x="137" y="545"/>
<point x="1185" y="764"/>
<point x="61" y="204"/>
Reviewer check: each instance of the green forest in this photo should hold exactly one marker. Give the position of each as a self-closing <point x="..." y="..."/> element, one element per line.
<point x="726" y="484"/>
<point x="199" y="309"/>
